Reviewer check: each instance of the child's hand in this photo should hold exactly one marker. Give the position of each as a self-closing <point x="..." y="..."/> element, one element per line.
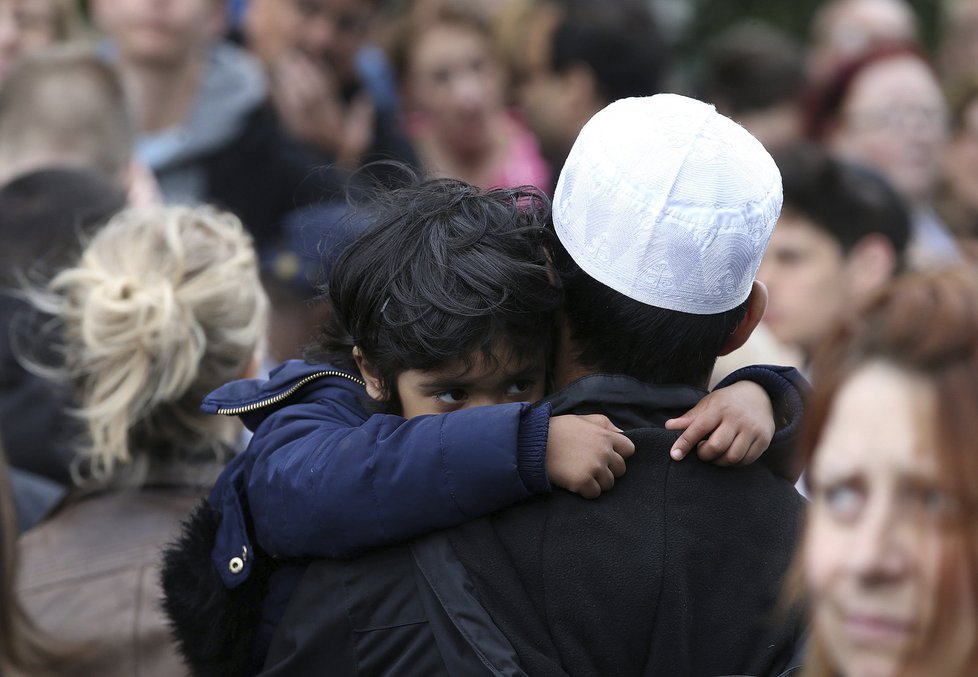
<point x="586" y="453"/>
<point x="735" y="424"/>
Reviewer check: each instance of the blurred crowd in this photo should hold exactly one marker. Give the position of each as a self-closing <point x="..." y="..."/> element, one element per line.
<point x="225" y="138"/>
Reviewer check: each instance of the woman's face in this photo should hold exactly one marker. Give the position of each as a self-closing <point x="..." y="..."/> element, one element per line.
<point x="455" y="82"/>
<point x="895" y="119"/>
<point x="879" y="541"/>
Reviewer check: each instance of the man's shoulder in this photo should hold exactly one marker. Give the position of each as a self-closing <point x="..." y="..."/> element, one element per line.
<point x="673" y="559"/>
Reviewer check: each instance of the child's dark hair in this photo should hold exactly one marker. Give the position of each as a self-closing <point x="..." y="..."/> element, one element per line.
<point x="446" y="271"/>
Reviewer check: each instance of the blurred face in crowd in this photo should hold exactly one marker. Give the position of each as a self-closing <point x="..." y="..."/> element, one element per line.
<point x="961" y="159"/>
<point x="959" y="39"/>
<point x="454" y="81"/>
<point x="25" y="25"/>
<point x="847" y="28"/>
<point x="160" y="33"/>
<point x="547" y="97"/>
<point x="895" y="120"/>
<point x="883" y="552"/>
<point x="328" y="32"/>
<point x="805" y="272"/>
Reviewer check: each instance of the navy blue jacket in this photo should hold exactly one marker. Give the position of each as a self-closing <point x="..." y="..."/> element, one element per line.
<point x="675" y="572"/>
<point x="322" y="477"/>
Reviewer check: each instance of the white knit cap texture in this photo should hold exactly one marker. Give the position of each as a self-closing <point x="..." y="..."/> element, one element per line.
<point x="669" y="203"/>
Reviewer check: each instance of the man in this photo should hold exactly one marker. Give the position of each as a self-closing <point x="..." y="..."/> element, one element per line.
<point x="38" y="131"/>
<point x="201" y="115"/>
<point x="842" y="234"/>
<point x="663" y="211"/>
<point x="754" y="73"/>
<point x="577" y="58"/>
<point x="324" y="77"/>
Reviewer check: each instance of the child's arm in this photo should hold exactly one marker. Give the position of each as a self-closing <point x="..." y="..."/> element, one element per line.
<point x="755" y="410"/>
<point x="326" y="485"/>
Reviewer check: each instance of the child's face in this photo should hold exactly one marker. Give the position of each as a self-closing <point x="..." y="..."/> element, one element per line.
<point x="485" y="382"/>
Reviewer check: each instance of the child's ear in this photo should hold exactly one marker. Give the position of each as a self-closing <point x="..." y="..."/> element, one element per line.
<point x="370" y="377"/>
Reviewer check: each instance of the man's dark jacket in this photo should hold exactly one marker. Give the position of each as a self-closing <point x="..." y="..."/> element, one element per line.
<point x="675" y="572"/>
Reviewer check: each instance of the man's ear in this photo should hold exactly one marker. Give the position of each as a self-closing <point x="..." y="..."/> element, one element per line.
<point x="756" y="305"/>
<point x="374" y="385"/>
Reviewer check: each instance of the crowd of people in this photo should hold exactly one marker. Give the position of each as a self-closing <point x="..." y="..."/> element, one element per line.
<point x="438" y="337"/>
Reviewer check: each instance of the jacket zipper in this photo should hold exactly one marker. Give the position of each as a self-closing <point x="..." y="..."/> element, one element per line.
<point x="275" y="399"/>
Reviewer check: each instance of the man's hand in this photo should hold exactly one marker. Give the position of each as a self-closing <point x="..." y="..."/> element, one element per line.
<point x="735" y="424"/>
<point x="308" y="100"/>
<point x="586" y="453"/>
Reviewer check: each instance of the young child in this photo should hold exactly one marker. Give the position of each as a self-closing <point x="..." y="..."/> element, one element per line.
<point x="447" y="303"/>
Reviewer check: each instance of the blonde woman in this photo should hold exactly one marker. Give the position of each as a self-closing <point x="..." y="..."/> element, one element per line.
<point x="163" y="306"/>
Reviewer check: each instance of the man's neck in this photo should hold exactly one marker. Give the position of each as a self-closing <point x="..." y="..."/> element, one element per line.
<point x="567" y="370"/>
<point x="163" y="96"/>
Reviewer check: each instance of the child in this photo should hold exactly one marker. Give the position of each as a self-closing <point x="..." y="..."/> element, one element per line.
<point x="446" y="304"/>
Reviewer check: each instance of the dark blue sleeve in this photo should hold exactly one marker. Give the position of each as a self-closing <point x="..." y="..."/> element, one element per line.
<point x="329" y="481"/>
<point x="787" y="389"/>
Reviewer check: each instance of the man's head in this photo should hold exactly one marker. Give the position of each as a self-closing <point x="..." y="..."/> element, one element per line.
<point x="327" y="32"/>
<point x="45" y="216"/>
<point x="663" y="210"/>
<point x="448" y="298"/>
<point x="755" y="74"/>
<point x="65" y="107"/>
<point x="842" y="234"/>
<point x="579" y="57"/>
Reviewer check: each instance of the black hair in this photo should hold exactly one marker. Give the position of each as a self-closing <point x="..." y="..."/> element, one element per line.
<point x="45" y="214"/>
<point x="615" y="334"/>
<point x="447" y="271"/>
<point x="619" y="41"/>
<point x="846" y="201"/>
<point x="753" y="66"/>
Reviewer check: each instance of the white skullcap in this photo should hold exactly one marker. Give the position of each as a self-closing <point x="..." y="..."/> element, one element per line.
<point x="669" y="203"/>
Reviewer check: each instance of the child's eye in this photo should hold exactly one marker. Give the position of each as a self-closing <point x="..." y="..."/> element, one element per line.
<point x="520" y="387"/>
<point x="452" y="396"/>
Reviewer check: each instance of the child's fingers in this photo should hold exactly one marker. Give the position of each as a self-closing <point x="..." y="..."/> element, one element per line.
<point x="680" y="423"/>
<point x="717" y="445"/>
<point x="616" y="464"/>
<point x="591" y="489"/>
<point x="701" y="427"/>
<point x="605" y="479"/>
<point x="622" y="446"/>
<point x="602" y="421"/>
<point x="736" y="452"/>
<point x="757" y="448"/>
